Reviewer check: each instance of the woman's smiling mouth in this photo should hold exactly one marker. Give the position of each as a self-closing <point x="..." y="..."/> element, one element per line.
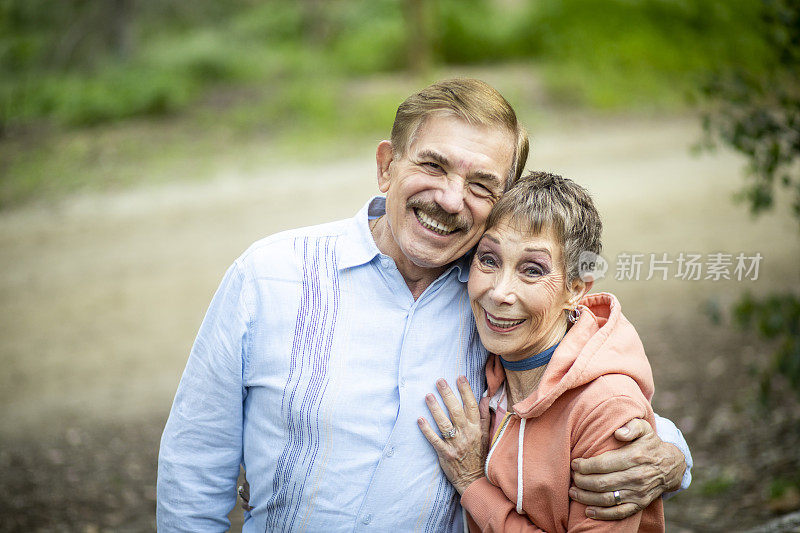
<point x="502" y="324"/>
<point x="433" y="225"/>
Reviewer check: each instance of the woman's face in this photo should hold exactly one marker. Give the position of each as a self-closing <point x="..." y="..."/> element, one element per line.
<point x="518" y="292"/>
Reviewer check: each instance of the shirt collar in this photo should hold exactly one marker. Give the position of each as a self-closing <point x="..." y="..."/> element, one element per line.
<point x="462" y="264"/>
<point x="360" y="247"/>
<point x="499" y="400"/>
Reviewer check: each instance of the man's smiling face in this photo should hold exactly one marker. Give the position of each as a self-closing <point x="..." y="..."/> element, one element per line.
<point x="440" y="192"/>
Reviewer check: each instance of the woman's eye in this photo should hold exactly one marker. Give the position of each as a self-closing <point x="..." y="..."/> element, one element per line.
<point x="534" y="271"/>
<point x="487" y="260"/>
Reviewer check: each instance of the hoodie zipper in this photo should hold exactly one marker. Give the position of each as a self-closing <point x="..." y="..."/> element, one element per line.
<point x="497" y="436"/>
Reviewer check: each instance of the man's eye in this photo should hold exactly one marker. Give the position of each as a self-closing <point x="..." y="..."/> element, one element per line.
<point x="432" y="166"/>
<point x="480" y="190"/>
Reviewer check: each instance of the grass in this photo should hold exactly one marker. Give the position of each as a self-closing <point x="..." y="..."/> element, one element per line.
<point x="221" y="131"/>
<point x="717" y="486"/>
<point x="779" y="487"/>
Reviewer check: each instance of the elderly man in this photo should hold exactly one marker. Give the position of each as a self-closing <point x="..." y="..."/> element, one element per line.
<point x="313" y="361"/>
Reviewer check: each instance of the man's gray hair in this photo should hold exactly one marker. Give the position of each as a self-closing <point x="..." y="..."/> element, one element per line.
<point x="474" y="101"/>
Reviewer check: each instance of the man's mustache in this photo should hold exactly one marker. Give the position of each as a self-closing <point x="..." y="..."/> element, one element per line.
<point x="435" y="211"/>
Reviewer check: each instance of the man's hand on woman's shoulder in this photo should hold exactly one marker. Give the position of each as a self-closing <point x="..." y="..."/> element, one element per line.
<point x="618" y="483"/>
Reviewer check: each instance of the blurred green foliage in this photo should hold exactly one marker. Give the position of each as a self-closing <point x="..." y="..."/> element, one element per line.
<point x="776" y="317"/>
<point x="627" y="54"/>
<point x="717" y="485"/>
<point x="305" y="71"/>
<point x="779" y="487"/>
<point x="756" y="111"/>
<point x="88" y="61"/>
<point x="179" y="52"/>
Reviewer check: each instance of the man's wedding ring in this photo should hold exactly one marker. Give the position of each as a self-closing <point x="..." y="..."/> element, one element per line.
<point x="617" y="499"/>
<point x="449" y="434"/>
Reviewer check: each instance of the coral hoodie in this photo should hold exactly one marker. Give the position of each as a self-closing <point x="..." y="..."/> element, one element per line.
<point x="597" y="380"/>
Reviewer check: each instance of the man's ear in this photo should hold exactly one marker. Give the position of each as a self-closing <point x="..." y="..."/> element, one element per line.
<point x="384" y="157"/>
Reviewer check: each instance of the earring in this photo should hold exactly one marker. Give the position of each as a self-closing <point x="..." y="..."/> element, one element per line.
<point x="573" y="315"/>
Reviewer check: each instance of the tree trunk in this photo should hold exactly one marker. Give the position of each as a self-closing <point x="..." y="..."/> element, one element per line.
<point x="315" y="22"/>
<point x="419" y="45"/>
<point x="121" y="28"/>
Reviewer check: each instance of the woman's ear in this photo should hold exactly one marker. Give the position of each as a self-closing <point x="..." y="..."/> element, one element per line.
<point x="577" y="290"/>
<point x="384" y="157"/>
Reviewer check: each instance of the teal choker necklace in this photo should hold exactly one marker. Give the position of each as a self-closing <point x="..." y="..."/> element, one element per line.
<point x="534" y="361"/>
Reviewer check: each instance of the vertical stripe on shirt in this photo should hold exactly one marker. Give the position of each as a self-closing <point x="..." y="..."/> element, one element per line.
<point x="311" y="352"/>
<point x="444" y="508"/>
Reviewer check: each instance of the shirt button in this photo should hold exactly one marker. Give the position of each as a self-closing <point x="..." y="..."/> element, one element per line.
<point x="403" y="382"/>
<point x="385" y="261"/>
<point x="390" y="451"/>
<point x="367" y="519"/>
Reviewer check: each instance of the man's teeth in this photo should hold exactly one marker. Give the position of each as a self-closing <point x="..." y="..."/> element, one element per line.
<point x="503" y="323"/>
<point x="433" y="225"/>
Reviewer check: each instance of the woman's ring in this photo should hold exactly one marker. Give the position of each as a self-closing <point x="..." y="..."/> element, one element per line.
<point x="617" y="498"/>
<point x="449" y="434"/>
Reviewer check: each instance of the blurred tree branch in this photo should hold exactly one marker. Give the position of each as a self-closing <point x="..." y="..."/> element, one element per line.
<point x="757" y="113"/>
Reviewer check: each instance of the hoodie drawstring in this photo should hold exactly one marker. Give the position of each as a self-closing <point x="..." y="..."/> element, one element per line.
<point x="519" y="465"/>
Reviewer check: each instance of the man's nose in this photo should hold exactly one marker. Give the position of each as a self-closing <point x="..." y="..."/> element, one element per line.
<point x="450" y="195"/>
<point x="503" y="290"/>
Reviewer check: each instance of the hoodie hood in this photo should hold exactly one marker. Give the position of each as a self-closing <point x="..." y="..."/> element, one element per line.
<point x="601" y="342"/>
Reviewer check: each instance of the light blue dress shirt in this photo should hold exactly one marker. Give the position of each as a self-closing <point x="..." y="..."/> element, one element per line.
<point x="310" y="369"/>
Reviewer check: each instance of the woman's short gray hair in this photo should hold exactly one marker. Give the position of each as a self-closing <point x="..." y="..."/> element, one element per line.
<point x="541" y="201"/>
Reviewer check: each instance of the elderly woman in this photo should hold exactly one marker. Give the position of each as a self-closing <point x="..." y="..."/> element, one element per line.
<point x="566" y="371"/>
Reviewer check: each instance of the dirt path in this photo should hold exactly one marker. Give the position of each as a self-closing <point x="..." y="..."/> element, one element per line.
<point x="101" y="295"/>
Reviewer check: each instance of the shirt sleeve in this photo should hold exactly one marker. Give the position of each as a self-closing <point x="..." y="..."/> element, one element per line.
<point x="201" y="447"/>
<point x="668" y="432"/>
